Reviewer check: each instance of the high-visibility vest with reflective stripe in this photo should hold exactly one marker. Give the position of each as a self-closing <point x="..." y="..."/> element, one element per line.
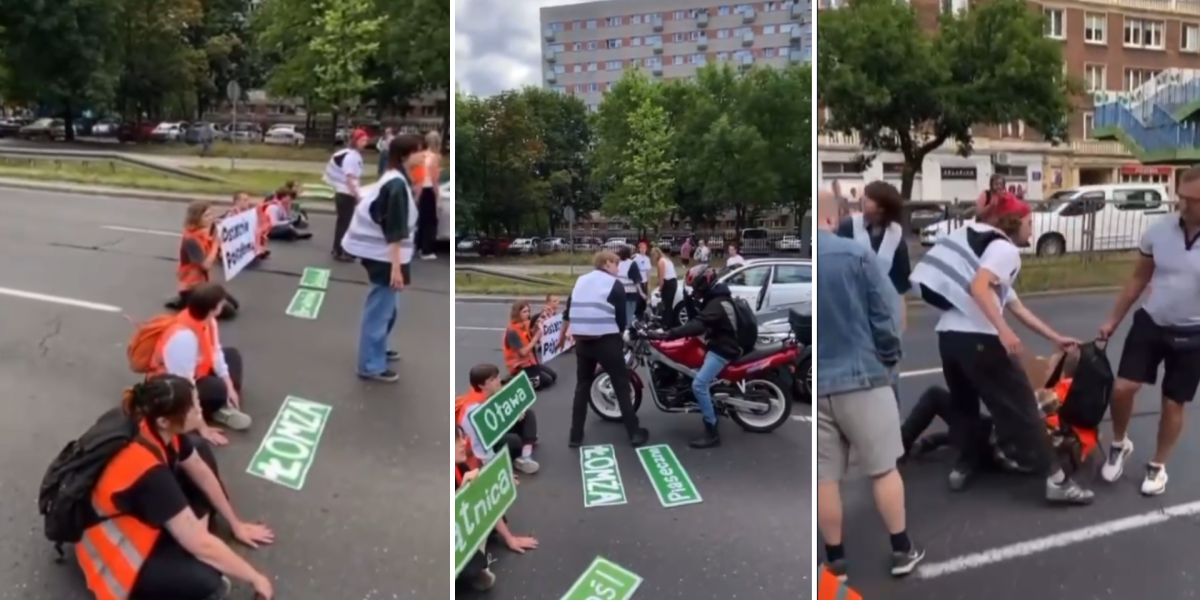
<point x="112" y="552"/>
<point x="364" y="237"/>
<point x="187" y="274"/>
<point x="513" y="360"/>
<point x="206" y="336"/>
<point x="591" y="314"/>
<point x="944" y="275"/>
<point x="623" y="275"/>
<point x="893" y="235"/>
<point x="831" y="588"/>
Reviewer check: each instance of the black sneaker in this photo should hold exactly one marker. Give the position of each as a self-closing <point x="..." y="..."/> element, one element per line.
<point x="393" y="356"/>
<point x="639" y="439"/>
<point x="904" y="563"/>
<point x="574" y="443"/>
<point x="388" y="376"/>
<point x="837" y="568"/>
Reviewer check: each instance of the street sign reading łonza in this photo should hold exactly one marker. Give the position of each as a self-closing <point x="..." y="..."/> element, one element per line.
<point x="288" y="450"/>
<point x="479" y="505"/>
<point x="499" y="413"/>
<point x="602" y="485"/>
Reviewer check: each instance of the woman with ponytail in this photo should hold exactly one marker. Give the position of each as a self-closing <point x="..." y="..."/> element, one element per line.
<point x="159" y="494"/>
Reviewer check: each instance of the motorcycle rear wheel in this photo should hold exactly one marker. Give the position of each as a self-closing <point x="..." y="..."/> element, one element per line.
<point x="778" y="412"/>
<point x="604" y="402"/>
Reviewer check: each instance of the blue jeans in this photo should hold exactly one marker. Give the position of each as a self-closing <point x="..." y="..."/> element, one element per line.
<point x="630" y="311"/>
<point x="713" y="363"/>
<point x="383" y="161"/>
<point x="379" y="319"/>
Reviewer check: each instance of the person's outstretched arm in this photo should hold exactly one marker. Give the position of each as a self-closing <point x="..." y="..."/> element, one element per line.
<point x="881" y="302"/>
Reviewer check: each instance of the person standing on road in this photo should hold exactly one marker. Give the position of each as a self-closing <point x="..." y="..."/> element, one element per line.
<point x="1165" y="331"/>
<point x="595" y="316"/>
<point x="631" y="279"/>
<point x="703" y="254"/>
<point x="685" y="251"/>
<point x="643" y="265"/>
<point x="969" y="276"/>
<point x="668" y="285"/>
<point x="344" y="174"/>
<point x="425" y="175"/>
<point x="734" y="258"/>
<point x="382" y="147"/>
<point x="381" y="233"/>
<point x="856" y="409"/>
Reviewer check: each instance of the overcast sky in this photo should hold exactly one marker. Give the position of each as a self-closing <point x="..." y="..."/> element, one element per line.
<point x="498" y="44"/>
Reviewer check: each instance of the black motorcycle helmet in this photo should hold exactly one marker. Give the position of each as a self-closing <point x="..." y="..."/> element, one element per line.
<point x="702" y="278"/>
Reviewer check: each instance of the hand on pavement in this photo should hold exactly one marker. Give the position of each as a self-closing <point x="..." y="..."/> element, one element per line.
<point x="253" y="534"/>
<point x="214" y="436"/>
<point x="520" y="544"/>
<point x="263" y="588"/>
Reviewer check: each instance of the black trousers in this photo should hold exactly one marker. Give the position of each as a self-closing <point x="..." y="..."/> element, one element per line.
<point x="670" y="287"/>
<point x="607" y="351"/>
<point x="287" y="233"/>
<point x="977" y="367"/>
<point x="344" y="205"/>
<point x="214" y="395"/>
<point x="936" y="402"/>
<point x="474" y="568"/>
<point x="427" y="220"/>
<point x="171" y="572"/>
<point x="524" y="432"/>
<point x="541" y="376"/>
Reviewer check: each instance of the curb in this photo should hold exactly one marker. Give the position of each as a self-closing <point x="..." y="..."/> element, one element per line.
<point x="312" y="206"/>
<point x="912" y="303"/>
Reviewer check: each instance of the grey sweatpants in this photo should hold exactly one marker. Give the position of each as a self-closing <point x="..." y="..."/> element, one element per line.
<point x="865" y="423"/>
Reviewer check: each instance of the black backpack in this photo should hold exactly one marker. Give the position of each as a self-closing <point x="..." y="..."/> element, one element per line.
<point x="1091" y="388"/>
<point x="745" y="325"/>
<point x="65" y="497"/>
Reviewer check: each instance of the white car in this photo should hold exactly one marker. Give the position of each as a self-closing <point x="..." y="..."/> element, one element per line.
<point x="788" y="243"/>
<point x="522" y="246"/>
<point x="446" y="213"/>
<point x="284" y="135"/>
<point x="765" y="283"/>
<point x="1087" y="218"/>
<point x="615" y="243"/>
<point x="169" y="131"/>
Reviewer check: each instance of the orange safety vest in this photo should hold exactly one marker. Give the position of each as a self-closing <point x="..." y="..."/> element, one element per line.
<point x="264" y="225"/>
<point x="462" y="404"/>
<point x="112" y="553"/>
<point x="187" y="274"/>
<point x="512" y="359"/>
<point x="206" y="334"/>
<point x="832" y="588"/>
<point x="419" y="171"/>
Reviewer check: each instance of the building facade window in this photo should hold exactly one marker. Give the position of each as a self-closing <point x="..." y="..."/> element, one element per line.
<point x="1056" y="23"/>
<point x="1095" y="28"/>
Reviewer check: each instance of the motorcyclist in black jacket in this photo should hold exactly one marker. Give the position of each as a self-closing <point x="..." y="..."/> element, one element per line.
<point x="717" y="322"/>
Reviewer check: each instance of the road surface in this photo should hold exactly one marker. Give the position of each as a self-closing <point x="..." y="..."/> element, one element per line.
<point x="749" y="539"/>
<point x="371" y="521"/>
<point x="999" y="540"/>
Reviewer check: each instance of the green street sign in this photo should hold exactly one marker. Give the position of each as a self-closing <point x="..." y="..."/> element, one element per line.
<point x="288" y="450"/>
<point x="306" y="304"/>
<point x="479" y="505"/>
<point x="670" y="480"/>
<point x="498" y="414"/>
<point x="602" y="485"/>
<point x="314" y="278"/>
<point x="604" y="579"/>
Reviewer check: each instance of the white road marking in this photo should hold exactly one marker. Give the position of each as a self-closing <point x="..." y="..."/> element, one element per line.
<point x="59" y="300"/>
<point x="920" y="373"/>
<point x="802" y="418"/>
<point x="139" y="230"/>
<point x="1058" y="540"/>
<point x="465" y="328"/>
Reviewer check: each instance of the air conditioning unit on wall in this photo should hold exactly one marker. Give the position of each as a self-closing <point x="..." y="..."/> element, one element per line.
<point x="1000" y="158"/>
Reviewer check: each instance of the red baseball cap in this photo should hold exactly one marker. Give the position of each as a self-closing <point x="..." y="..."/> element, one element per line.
<point x="358" y="135"/>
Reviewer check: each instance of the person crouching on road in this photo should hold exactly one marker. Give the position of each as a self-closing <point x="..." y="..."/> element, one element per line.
<point x="381" y="234"/>
<point x="162" y="493"/>
<point x="199" y="254"/>
<point x="192" y="348"/>
<point x="485" y="381"/>
<point x="717" y="322"/>
<point x="277" y="221"/>
<point x="631" y="280"/>
<point x="521" y="341"/>
<point x="856" y="410"/>
<point x="476" y="574"/>
<point x="969" y="277"/>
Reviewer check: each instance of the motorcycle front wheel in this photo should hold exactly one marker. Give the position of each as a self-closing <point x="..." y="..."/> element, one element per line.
<point x="603" y="399"/>
<point x="776" y="405"/>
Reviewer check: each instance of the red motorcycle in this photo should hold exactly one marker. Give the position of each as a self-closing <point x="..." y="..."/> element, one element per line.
<point x="753" y="390"/>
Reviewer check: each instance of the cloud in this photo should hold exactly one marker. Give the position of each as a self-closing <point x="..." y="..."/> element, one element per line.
<point x="498" y="44"/>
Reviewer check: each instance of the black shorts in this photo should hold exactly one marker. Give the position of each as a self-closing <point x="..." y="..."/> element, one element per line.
<point x="1147" y="347"/>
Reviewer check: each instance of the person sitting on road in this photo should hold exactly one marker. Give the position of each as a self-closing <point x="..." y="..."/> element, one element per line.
<point x="717" y="322"/>
<point x="277" y="221"/>
<point x="162" y="492"/>
<point x="192" y="348"/>
<point x="485" y="381"/>
<point x="199" y="254"/>
<point x="476" y="573"/>
<point x="521" y="341"/>
<point x="549" y="309"/>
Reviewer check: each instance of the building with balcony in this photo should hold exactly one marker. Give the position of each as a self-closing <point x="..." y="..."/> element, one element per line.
<point x="1121" y="50"/>
<point x="587" y="47"/>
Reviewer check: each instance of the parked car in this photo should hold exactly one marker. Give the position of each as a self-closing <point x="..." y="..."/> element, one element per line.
<point x="467" y="244"/>
<point x="195" y="134"/>
<point x="241" y="132"/>
<point x="755" y="242"/>
<point x="43" y="129"/>
<point x="615" y="243"/>
<point x="446" y="209"/>
<point x="106" y="127"/>
<point x="766" y="283"/>
<point x="492" y="247"/>
<point x="553" y="244"/>
<point x="586" y="244"/>
<point x="666" y="242"/>
<point x="1092" y="217"/>
<point x="133" y="132"/>
<point x="11" y="127"/>
<point x="789" y="243"/>
<point x="522" y="246"/>
<point x="284" y="135"/>
<point x="169" y="131"/>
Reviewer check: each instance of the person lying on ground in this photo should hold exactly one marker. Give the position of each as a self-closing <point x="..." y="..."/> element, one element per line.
<point x="191" y="348"/>
<point x="520" y="440"/>
<point x="165" y="490"/>
<point x="936" y="402"/>
<point x="199" y="255"/>
<point x="476" y="573"/>
<point x="521" y="342"/>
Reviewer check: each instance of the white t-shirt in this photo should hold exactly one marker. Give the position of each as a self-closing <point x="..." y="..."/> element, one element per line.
<point x="278" y="215"/>
<point x="342" y="165"/>
<point x="1003" y="259"/>
<point x="735" y="261"/>
<point x="1173" y="299"/>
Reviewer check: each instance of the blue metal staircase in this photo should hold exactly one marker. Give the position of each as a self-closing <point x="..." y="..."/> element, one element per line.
<point x="1156" y="121"/>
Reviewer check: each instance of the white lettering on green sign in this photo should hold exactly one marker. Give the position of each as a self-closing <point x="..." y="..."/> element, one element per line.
<point x="670" y="481"/>
<point x="604" y="580"/>
<point x="492" y="419"/>
<point x="306" y="304"/>
<point x="315" y="278"/>
<point x="602" y="485"/>
<point x="287" y="452"/>
<point x="479" y="505"/>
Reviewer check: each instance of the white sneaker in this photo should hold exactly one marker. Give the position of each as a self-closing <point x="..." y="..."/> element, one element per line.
<point x="527" y="466"/>
<point x="233" y="418"/>
<point x="1156" y="480"/>
<point x="428" y="257"/>
<point x="1118" y="455"/>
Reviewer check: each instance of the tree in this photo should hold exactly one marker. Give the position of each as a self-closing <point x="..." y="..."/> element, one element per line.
<point x="157" y="67"/>
<point x="498" y="136"/>
<point x="415" y="53"/>
<point x="643" y="187"/>
<point x="779" y="106"/>
<point x="616" y="133"/>
<point x="904" y="90"/>
<point x="344" y="41"/>
<point x="561" y="123"/>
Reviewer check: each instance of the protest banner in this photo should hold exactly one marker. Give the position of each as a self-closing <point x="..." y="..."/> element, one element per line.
<point x="551" y="330"/>
<point x="236" y="233"/>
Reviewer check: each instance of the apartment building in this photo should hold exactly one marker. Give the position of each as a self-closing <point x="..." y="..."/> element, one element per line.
<point x="1111" y="46"/>
<point x="586" y="47"/>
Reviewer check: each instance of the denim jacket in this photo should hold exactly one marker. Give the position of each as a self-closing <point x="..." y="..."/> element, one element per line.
<point x="858" y="338"/>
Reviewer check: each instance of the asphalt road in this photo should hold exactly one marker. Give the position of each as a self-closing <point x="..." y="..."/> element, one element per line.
<point x="999" y="540"/>
<point x="372" y="520"/>
<point x="750" y="538"/>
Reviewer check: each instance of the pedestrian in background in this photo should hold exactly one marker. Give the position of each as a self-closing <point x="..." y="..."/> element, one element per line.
<point x="425" y="176"/>
<point x="344" y="173"/>
<point x="382" y="146"/>
<point x="856" y="409"/>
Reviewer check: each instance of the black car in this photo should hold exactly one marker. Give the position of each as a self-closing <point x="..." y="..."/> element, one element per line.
<point x="9" y="128"/>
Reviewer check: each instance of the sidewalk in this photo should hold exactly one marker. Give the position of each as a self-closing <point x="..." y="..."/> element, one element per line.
<point x="313" y="203"/>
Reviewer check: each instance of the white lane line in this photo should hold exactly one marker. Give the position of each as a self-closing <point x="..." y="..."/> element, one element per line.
<point x="465" y="328"/>
<point x="139" y="230"/>
<point x="920" y="373"/>
<point x="802" y="419"/>
<point x="1058" y="540"/>
<point x="59" y="300"/>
